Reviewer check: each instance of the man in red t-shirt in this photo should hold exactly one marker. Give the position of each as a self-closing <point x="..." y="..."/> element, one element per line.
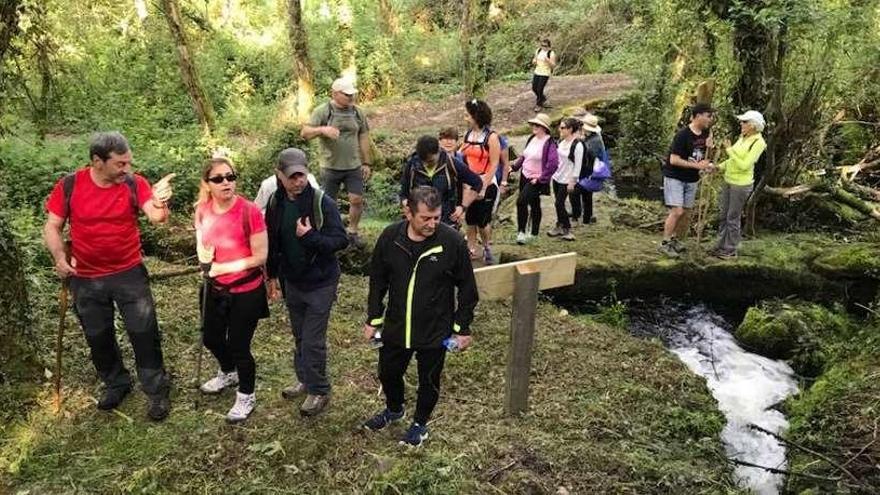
<point x="102" y="201"/>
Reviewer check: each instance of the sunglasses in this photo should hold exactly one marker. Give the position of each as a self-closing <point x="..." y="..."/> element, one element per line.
<point x="218" y="179"/>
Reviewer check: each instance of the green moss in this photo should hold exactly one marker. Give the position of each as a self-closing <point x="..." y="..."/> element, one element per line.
<point x="854" y="260"/>
<point x="837" y="416"/>
<point x="804" y="333"/>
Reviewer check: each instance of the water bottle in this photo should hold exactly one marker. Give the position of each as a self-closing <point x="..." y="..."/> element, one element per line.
<point x="376" y="341"/>
<point x="451" y="344"/>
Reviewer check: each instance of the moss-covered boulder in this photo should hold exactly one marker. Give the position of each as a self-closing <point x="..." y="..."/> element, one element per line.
<point x="838" y="416"/>
<point x="801" y="332"/>
<point x="858" y="260"/>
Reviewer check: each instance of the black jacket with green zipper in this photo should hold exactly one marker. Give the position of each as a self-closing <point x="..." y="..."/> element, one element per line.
<point x="421" y="289"/>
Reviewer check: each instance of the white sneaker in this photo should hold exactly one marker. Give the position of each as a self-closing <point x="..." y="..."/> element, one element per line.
<point x="244" y="405"/>
<point x="218" y="383"/>
<point x="521" y="238"/>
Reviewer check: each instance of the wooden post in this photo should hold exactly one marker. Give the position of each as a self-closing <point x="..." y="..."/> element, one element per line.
<point x="522" y="336"/>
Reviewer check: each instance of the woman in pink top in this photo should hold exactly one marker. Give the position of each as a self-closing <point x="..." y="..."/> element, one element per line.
<point x="232" y="244"/>
<point x="538" y="162"/>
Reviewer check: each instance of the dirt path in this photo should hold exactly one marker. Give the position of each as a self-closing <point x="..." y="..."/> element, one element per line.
<point x="512" y="103"/>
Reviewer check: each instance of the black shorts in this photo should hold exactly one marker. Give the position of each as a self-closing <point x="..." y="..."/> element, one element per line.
<point x="479" y="214"/>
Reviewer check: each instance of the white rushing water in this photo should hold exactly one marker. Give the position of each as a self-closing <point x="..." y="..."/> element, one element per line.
<point x="745" y="385"/>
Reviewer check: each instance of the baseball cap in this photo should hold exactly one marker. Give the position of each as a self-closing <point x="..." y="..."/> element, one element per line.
<point x="344" y="85"/>
<point x="755" y="118"/>
<point x="291" y="161"/>
<point x="702" y="108"/>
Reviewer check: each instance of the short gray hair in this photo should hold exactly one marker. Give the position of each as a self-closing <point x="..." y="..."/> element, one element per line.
<point x="425" y="195"/>
<point x="104" y="143"/>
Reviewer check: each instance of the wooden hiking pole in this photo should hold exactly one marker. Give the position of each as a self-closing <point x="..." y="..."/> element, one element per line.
<point x="59" y="342"/>
<point x="703" y="202"/>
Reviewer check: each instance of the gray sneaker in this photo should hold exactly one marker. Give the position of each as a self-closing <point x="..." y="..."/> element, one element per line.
<point x="556" y="232"/>
<point x="678" y="246"/>
<point x="567" y="235"/>
<point x="313" y="405"/>
<point x="667" y="248"/>
<point x="293" y="391"/>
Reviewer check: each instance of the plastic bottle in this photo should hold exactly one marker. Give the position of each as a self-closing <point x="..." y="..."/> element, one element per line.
<point x="451" y="344"/>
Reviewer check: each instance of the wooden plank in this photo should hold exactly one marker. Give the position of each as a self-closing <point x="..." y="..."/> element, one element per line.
<point x="497" y="282"/>
<point x="522" y="337"/>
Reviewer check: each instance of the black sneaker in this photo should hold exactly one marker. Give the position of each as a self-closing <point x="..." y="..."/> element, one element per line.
<point x="383" y="419"/>
<point x="159" y="407"/>
<point x="112" y="398"/>
<point x="415" y="435"/>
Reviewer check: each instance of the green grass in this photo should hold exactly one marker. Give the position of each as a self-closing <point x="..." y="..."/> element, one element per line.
<point x="609" y="414"/>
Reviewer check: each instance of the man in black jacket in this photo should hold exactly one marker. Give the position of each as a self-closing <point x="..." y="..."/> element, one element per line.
<point x="305" y="232"/>
<point x="419" y="263"/>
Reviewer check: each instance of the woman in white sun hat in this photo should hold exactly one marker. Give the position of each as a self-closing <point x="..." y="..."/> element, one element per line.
<point x="739" y="178"/>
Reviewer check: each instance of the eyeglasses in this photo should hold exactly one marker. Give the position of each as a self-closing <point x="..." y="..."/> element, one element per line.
<point x="218" y="179"/>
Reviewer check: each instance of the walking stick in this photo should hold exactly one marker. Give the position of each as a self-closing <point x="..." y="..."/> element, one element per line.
<point x="62" y="321"/>
<point x="201" y="339"/>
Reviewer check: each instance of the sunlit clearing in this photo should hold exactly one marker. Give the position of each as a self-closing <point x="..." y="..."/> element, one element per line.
<point x="424" y="60"/>
<point x="324" y="11"/>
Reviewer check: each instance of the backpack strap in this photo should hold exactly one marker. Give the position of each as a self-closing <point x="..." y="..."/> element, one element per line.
<point x="132" y="193"/>
<point x="317" y="211"/>
<point x="246" y="220"/>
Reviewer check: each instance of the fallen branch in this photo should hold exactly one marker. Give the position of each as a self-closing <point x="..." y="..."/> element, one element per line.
<point x="787" y="192"/>
<point x="494" y="474"/>
<point x="805" y="449"/>
<point x="784" y="471"/>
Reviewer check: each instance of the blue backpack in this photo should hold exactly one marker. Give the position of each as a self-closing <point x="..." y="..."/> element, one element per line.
<point x="601" y="172"/>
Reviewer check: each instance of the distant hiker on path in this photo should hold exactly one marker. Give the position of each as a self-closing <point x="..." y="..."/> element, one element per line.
<point x="422" y="266"/>
<point x="102" y="202"/>
<point x="231" y="232"/>
<point x="739" y="178"/>
<point x="544" y="62"/>
<point x="571" y="156"/>
<point x="687" y="157"/>
<point x="344" y="135"/>
<point x="431" y="166"/>
<point x="482" y="154"/>
<point x="537" y="163"/>
<point x="305" y="233"/>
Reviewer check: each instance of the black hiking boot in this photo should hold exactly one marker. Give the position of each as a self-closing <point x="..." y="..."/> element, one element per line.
<point x="112" y="398"/>
<point x="159" y="406"/>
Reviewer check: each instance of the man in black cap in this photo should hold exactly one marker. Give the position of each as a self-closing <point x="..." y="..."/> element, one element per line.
<point x="305" y="232"/>
<point x="687" y="157"/>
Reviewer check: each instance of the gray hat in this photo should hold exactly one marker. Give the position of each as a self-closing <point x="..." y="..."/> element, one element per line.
<point x="291" y="161"/>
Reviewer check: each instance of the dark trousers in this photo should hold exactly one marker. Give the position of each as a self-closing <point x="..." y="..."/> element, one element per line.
<point x="582" y="202"/>
<point x="130" y="292"/>
<point x="538" y="84"/>
<point x="560" y="193"/>
<point x="529" y="199"/>
<point x="230" y="321"/>
<point x="309" y="315"/>
<point x="394" y="360"/>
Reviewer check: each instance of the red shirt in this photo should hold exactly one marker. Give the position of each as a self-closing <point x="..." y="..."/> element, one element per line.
<point x="103" y="228"/>
<point x="226" y="232"/>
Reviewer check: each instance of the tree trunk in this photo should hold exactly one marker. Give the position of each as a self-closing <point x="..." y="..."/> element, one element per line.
<point x="388" y="18"/>
<point x="9" y="12"/>
<point x="17" y="357"/>
<point x="302" y="64"/>
<point x="348" y="52"/>
<point x="201" y="105"/>
<point x="475" y="27"/>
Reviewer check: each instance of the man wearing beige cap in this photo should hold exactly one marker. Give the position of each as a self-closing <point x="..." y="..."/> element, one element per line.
<point x="344" y="135"/>
<point x="305" y="232"/>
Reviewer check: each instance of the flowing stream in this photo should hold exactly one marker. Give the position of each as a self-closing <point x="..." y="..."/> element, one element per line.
<point x="746" y="385"/>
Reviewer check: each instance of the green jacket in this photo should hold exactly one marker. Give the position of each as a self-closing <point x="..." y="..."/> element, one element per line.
<point x="739" y="168"/>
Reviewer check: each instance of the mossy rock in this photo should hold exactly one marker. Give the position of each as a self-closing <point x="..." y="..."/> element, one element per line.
<point x="852" y="261"/>
<point x="837" y="416"/>
<point x="798" y="331"/>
